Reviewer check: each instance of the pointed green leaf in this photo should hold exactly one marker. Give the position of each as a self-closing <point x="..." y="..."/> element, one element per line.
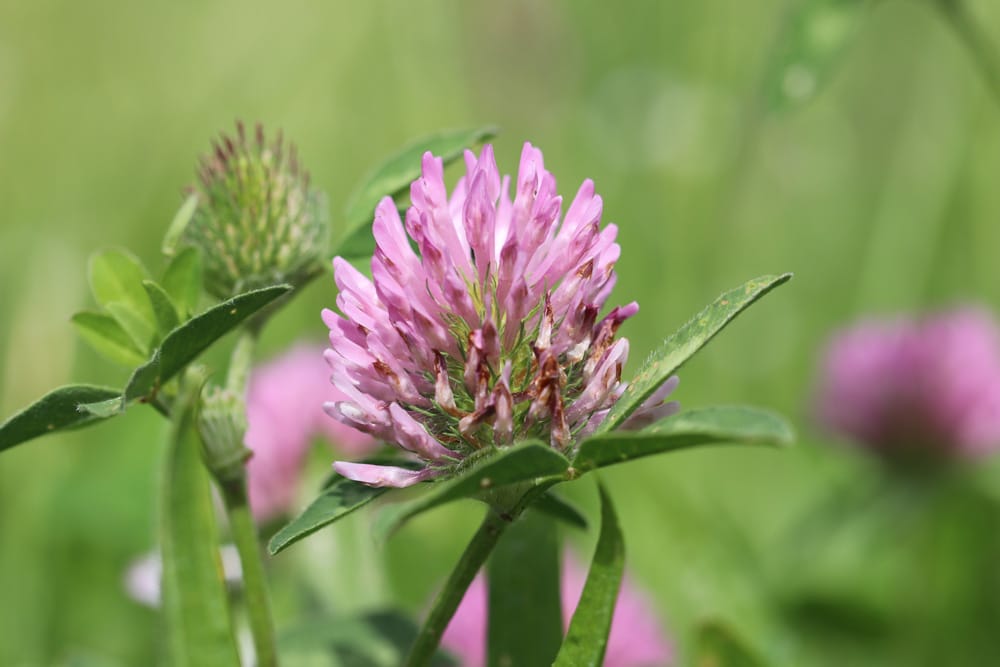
<point x="195" y="605"/>
<point x="525" y="630"/>
<point x="719" y="647"/>
<point x="166" y="314"/>
<point x="707" y="426"/>
<point x="587" y="637"/>
<point x="55" y="411"/>
<point x="182" y="280"/>
<point x="140" y="331"/>
<point x="116" y="277"/>
<point x="560" y="508"/>
<point x="183" y="345"/>
<point x="816" y="36"/>
<point x="393" y="178"/>
<point x="524" y="462"/>
<point x="103" y="333"/>
<point x="682" y="345"/>
<point x="179" y="224"/>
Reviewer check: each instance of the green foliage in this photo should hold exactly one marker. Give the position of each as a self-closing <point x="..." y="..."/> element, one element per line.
<point x="499" y="479"/>
<point x="525" y="608"/>
<point x="560" y="508"/>
<point x="107" y="337"/>
<point x="194" y="594"/>
<point x="706" y="426"/>
<point x="682" y="345"/>
<point x="392" y="178"/>
<point x="718" y="646"/>
<point x="167" y="318"/>
<point x="57" y="410"/>
<point x="812" y="45"/>
<point x="182" y="280"/>
<point x="179" y="223"/>
<point x="116" y="278"/>
<point x="587" y="637"/>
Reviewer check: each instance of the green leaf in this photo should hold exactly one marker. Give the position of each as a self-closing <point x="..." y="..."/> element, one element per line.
<point x="140" y="331"/>
<point x="336" y="501"/>
<point x="560" y="508"/>
<point x="182" y="280"/>
<point x="392" y="178"/>
<point x="179" y="224"/>
<point x="587" y="637"/>
<point x="103" y="333"/>
<point x="195" y="605"/>
<point x="816" y="37"/>
<point x="116" y="277"/>
<point x="706" y="426"/>
<point x="525" y="629"/>
<point x="166" y="314"/>
<point x="55" y="411"/>
<point x="183" y="345"/>
<point x="682" y="345"/>
<point x="523" y="463"/>
<point x="718" y="647"/>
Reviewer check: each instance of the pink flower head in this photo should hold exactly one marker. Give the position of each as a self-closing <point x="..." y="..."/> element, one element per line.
<point x="480" y="325"/>
<point x="916" y="387"/>
<point x="284" y="415"/>
<point x="636" y="640"/>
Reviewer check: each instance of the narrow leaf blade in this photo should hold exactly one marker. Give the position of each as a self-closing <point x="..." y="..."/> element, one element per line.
<point x="560" y="508"/>
<point x="524" y="462"/>
<point x="186" y="342"/>
<point x="194" y="594"/>
<point x="525" y="629"/>
<point x="683" y="344"/>
<point x="707" y="426"/>
<point x="393" y="177"/>
<point x="166" y="314"/>
<point x="178" y="224"/>
<point x="103" y="333"/>
<point x="587" y="637"/>
<point x="182" y="280"/>
<point x="55" y="411"/>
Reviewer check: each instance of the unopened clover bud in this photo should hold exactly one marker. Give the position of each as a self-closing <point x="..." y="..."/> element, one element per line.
<point x="222" y="424"/>
<point x="257" y="221"/>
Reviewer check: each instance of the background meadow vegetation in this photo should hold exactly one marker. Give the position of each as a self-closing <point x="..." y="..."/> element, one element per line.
<point x="880" y="193"/>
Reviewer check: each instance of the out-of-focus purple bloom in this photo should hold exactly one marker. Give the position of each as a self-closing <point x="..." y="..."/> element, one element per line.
<point x="284" y="414"/>
<point x="488" y="333"/>
<point x="637" y="638"/>
<point x="916" y="387"/>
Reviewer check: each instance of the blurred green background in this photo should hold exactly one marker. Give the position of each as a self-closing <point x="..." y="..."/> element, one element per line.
<point x="880" y="194"/>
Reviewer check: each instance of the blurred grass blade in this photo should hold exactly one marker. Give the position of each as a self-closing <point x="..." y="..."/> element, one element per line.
<point x="116" y="277"/>
<point x="525" y="607"/>
<point x="816" y="37"/>
<point x="392" y="178"/>
<point x="685" y="342"/>
<point x="103" y="333"/>
<point x="336" y="501"/>
<point x="57" y="410"/>
<point x="183" y="345"/>
<point x="524" y="462"/>
<point x="587" y="637"/>
<point x="560" y="508"/>
<point x="194" y="594"/>
<point x="182" y="280"/>
<point x="719" y="647"/>
<point x="179" y="224"/>
<point x="167" y="318"/>
<point x="706" y="426"/>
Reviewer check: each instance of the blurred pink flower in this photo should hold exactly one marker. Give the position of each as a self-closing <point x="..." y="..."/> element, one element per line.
<point x="637" y="638"/>
<point x="285" y="400"/>
<point x="489" y="333"/>
<point x="915" y="387"/>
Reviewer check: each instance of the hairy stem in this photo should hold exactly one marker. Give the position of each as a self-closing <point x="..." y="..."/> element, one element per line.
<point x="451" y="595"/>
<point x="258" y="601"/>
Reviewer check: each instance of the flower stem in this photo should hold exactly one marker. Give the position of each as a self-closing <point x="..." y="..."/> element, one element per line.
<point x="451" y="595"/>
<point x="258" y="602"/>
<point x="976" y="40"/>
